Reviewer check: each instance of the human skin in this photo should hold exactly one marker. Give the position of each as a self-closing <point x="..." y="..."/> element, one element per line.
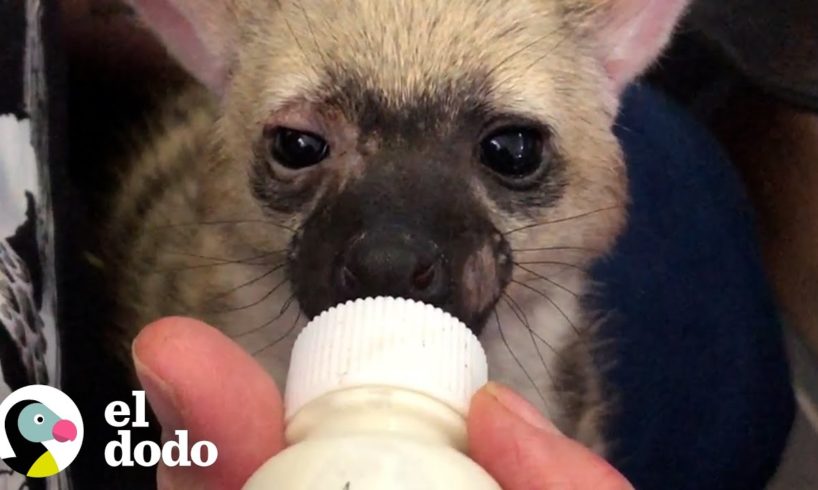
<point x="224" y="401"/>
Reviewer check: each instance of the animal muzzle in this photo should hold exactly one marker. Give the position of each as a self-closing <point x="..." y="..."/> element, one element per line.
<point x="393" y="261"/>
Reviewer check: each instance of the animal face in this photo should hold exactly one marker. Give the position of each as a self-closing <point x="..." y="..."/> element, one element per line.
<point x="456" y="152"/>
<point x="404" y="184"/>
<point x="402" y="167"/>
<point x="417" y="148"/>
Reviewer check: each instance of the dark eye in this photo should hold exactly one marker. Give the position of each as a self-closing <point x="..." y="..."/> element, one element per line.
<point x="297" y="149"/>
<point x="514" y="152"/>
<point x="39" y="419"/>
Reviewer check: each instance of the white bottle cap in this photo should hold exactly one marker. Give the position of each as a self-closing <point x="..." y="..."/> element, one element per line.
<point x="386" y="342"/>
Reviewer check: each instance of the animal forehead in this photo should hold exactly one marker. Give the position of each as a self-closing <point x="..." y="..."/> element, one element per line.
<point x="456" y="104"/>
<point x="420" y="30"/>
<point x="406" y="48"/>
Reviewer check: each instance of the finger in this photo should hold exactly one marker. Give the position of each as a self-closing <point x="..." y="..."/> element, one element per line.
<point x="197" y="379"/>
<point x="524" y="451"/>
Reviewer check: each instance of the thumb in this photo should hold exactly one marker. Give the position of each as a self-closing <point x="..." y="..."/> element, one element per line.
<point x="198" y="380"/>
<point x="524" y="451"/>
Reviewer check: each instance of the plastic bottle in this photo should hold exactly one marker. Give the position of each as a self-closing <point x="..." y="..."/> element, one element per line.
<point x="376" y="399"/>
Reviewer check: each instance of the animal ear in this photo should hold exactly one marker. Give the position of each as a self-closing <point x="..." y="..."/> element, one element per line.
<point x="632" y="33"/>
<point x="199" y="33"/>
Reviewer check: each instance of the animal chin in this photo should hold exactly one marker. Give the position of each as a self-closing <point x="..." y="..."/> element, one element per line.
<point x="477" y="320"/>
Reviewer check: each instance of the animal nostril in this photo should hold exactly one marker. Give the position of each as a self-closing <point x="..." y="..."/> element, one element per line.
<point x="424" y="275"/>
<point x="391" y="262"/>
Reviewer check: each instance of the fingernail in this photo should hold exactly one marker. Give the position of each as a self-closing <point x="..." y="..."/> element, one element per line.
<point x="519" y="407"/>
<point x="160" y="397"/>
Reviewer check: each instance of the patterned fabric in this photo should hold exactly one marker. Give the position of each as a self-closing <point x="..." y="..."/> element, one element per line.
<point x="23" y="333"/>
<point x="29" y="349"/>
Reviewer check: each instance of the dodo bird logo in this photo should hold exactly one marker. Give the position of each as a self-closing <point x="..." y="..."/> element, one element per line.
<point x="42" y="431"/>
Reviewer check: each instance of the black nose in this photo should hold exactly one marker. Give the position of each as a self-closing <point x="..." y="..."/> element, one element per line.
<point x="393" y="263"/>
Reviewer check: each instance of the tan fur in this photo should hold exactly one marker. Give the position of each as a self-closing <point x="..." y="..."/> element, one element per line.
<point x="540" y="62"/>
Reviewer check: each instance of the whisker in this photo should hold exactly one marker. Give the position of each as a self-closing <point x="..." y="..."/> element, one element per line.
<point x="307" y="58"/>
<point x="550" y="281"/>
<point x="218" y="263"/>
<point x="520" y="314"/>
<point x="516" y="359"/>
<point x="279" y="339"/>
<point x="548" y="52"/>
<point x="553" y="303"/>
<point x="553" y="262"/>
<point x="308" y="21"/>
<point x="520" y="50"/>
<point x="281" y="312"/>
<point x="548" y="249"/>
<point x="221" y="223"/>
<point x="255" y="303"/>
<point x="248" y="283"/>
<point x="560" y="220"/>
<point x="533" y="339"/>
<point x="222" y="260"/>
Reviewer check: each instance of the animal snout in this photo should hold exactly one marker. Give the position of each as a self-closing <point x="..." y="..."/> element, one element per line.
<point x="393" y="262"/>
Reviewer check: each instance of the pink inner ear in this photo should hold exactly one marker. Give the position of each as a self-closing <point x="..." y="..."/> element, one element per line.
<point x="182" y="40"/>
<point x="635" y="34"/>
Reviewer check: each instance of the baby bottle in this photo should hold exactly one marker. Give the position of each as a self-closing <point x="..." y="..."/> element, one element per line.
<point x="376" y="399"/>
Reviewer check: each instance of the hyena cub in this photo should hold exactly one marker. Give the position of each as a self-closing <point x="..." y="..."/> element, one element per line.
<point x="457" y="152"/>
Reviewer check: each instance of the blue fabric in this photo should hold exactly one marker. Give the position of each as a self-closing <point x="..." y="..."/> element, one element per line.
<point x="703" y="385"/>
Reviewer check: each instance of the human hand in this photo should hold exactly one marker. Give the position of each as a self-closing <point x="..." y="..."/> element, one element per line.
<point x="197" y="379"/>
<point x="524" y="451"/>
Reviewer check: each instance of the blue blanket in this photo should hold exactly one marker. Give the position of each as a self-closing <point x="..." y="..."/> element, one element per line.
<point x="705" y="400"/>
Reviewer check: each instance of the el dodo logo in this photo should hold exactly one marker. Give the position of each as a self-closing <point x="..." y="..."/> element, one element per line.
<point x="41" y="431"/>
<point x="148" y="453"/>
